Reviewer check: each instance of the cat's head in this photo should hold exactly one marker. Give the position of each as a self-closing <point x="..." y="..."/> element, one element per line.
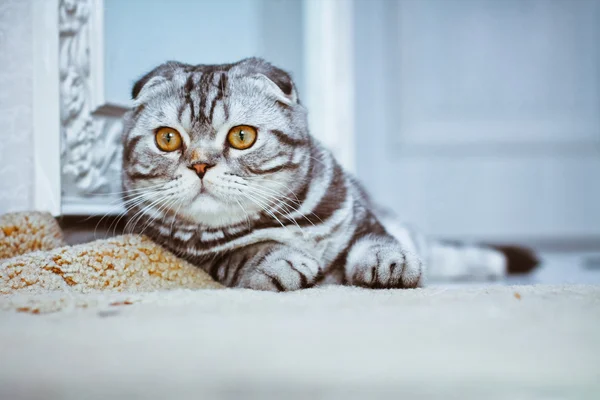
<point x="215" y="144"/>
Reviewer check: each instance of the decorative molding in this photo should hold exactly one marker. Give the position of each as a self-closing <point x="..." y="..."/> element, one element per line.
<point x="90" y="129"/>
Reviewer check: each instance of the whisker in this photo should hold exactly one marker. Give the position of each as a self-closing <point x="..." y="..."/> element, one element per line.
<point x="127" y="204"/>
<point x="279" y="203"/>
<point x="122" y="202"/>
<point x="244" y="182"/>
<point x="128" y="208"/>
<point x="255" y="201"/>
<point x="294" y="209"/>
<point x="298" y="202"/>
<point x="162" y="206"/>
<point x="175" y="215"/>
<point x="245" y="213"/>
<point x="137" y="216"/>
<point x="123" y="212"/>
<point x="110" y="194"/>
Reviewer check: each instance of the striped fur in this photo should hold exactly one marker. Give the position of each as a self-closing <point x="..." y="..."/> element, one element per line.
<point x="281" y="215"/>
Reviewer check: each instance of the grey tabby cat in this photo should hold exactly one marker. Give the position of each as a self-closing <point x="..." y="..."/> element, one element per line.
<point x="220" y="168"/>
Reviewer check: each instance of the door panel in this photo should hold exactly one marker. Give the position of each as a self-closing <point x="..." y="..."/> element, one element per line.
<point x="481" y="118"/>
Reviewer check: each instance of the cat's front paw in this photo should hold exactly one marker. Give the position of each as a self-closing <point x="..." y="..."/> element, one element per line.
<point x="382" y="264"/>
<point x="283" y="270"/>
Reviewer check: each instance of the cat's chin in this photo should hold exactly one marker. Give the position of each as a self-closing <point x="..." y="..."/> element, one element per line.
<point x="207" y="209"/>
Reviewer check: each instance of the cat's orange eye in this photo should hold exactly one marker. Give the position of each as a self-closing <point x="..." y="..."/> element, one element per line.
<point x="241" y="137"/>
<point x="168" y="139"/>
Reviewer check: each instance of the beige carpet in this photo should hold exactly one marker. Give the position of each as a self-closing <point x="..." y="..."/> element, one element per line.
<point x="34" y="259"/>
<point x="334" y="342"/>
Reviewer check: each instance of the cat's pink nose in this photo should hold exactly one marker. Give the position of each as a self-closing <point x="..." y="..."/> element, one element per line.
<point x="201" y="168"/>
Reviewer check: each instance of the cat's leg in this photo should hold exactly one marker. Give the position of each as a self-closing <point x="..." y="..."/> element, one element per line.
<point x="379" y="261"/>
<point x="270" y="266"/>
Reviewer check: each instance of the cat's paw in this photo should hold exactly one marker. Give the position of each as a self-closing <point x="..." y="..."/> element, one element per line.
<point x="382" y="264"/>
<point x="283" y="270"/>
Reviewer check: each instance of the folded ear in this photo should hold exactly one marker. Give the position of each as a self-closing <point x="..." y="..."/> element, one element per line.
<point x="278" y="78"/>
<point x="153" y="80"/>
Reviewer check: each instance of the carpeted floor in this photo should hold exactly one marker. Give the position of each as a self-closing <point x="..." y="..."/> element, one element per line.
<point x="333" y="342"/>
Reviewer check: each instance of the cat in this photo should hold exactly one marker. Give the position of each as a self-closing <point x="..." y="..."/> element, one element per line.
<point x="220" y="168"/>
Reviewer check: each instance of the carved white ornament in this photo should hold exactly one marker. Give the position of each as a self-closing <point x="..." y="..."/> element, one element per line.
<point x="90" y="137"/>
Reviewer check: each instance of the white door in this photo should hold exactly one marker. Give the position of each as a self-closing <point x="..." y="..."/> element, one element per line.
<point x="481" y="118"/>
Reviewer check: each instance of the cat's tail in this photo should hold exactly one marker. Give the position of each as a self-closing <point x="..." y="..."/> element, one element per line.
<point x="455" y="260"/>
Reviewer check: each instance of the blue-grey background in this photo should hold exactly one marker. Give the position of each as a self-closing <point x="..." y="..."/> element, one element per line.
<point x="140" y="34"/>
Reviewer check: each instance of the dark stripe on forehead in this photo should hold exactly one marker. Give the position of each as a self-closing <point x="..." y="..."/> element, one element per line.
<point x="221" y="85"/>
<point x="286" y="139"/>
<point x="203" y="88"/>
<point x="180" y="111"/>
<point x="187" y="90"/>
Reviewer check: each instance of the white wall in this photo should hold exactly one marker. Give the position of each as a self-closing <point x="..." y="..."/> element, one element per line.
<point x="16" y="103"/>
<point x="481" y="118"/>
<point x="140" y="34"/>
